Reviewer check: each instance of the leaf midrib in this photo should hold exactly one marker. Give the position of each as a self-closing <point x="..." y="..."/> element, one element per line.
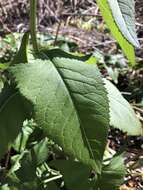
<point x="72" y="99"/>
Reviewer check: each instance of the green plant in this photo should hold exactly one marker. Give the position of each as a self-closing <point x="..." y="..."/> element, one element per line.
<point x="69" y="108"/>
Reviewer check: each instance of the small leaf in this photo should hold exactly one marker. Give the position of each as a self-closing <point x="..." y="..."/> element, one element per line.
<point x="4" y="66"/>
<point x="112" y="174"/>
<point x="27" y="170"/>
<point x="31" y="159"/>
<point x="53" y="53"/>
<point x="40" y="152"/>
<point x="5" y="187"/>
<point x="13" y="111"/>
<point x="21" y="56"/>
<point x="20" y="143"/>
<point x="122" y="116"/>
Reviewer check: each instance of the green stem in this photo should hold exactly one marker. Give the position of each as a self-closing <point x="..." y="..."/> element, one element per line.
<point x="33" y="20"/>
<point x="53" y="178"/>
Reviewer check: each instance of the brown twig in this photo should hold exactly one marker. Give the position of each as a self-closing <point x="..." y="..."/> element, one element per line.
<point x="57" y="32"/>
<point x="7" y="159"/>
<point x="80" y="14"/>
<point x="138" y="109"/>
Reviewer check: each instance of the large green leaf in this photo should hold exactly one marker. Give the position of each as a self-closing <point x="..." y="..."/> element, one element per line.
<point x="116" y="30"/>
<point x="122" y="116"/>
<point x="13" y="111"/>
<point x="112" y="174"/>
<point x="90" y="100"/>
<point x="70" y="103"/>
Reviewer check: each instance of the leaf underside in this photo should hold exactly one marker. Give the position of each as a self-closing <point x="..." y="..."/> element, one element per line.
<point x="123" y="12"/>
<point x="122" y="116"/>
<point x="108" y="16"/>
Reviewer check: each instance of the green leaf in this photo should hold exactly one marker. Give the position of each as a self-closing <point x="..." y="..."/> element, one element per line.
<point x="20" y="143"/>
<point x="123" y="12"/>
<point x="106" y="10"/>
<point x="70" y="103"/>
<point x="4" y="66"/>
<point x="5" y="187"/>
<point x="90" y="100"/>
<point x="52" y="53"/>
<point x="50" y="186"/>
<point x="27" y="170"/>
<point x="20" y="186"/>
<point x="13" y="111"/>
<point x="21" y="56"/>
<point x="112" y="174"/>
<point x="76" y="175"/>
<point x="122" y="116"/>
<point x="31" y="160"/>
<point x="40" y="152"/>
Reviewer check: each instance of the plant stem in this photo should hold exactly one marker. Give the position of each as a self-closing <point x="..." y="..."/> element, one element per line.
<point x="57" y="32"/>
<point x="53" y="178"/>
<point x="136" y="174"/>
<point x="7" y="159"/>
<point x="33" y="20"/>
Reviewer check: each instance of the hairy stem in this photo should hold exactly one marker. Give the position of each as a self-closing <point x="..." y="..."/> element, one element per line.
<point x="33" y="20"/>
